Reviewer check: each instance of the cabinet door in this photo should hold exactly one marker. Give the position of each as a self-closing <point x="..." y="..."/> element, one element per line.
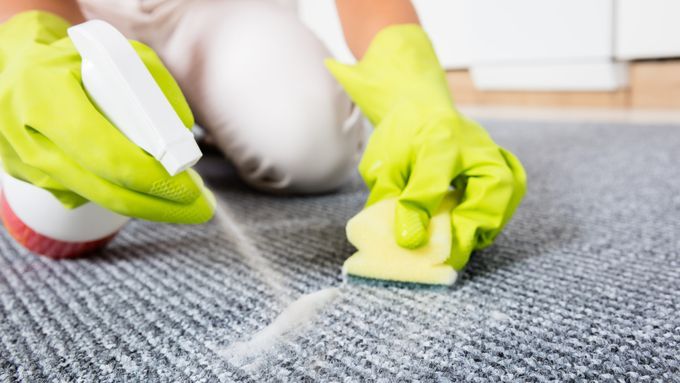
<point x="538" y="31"/>
<point x="543" y="45"/>
<point x="647" y="29"/>
<point x="444" y="21"/>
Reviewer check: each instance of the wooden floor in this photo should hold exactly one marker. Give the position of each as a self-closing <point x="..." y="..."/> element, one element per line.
<point x="652" y="84"/>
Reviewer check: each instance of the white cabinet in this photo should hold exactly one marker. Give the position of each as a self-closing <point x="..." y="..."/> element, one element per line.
<point x="554" y="45"/>
<point x="538" y="31"/>
<point x="444" y="21"/>
<point x="647" y="29"/>
<point x="543" y="45"/>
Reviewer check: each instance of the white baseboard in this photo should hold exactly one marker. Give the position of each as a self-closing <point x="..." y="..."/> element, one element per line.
<point x="580" y="76"/>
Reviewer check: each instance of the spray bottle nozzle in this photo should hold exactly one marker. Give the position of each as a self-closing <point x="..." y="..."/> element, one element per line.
<point x="125" y="92"/>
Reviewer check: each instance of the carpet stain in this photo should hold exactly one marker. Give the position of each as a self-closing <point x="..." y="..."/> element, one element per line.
<point x="499" y="316"/>
<point x="250" y="353"/>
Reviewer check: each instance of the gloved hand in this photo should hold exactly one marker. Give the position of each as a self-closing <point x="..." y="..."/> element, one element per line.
<point x="52" y="135"/>
<point x="422" y="145"/>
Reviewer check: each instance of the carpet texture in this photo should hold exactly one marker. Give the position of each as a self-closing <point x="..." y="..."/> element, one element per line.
<point x="584" y="284"/>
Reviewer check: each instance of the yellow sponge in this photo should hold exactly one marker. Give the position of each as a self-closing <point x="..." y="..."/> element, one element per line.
<point x="379" y="256"/>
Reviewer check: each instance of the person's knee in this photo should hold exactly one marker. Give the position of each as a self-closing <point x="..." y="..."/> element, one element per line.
<point x="270" y="103"/>
<point x="314" y="151"/>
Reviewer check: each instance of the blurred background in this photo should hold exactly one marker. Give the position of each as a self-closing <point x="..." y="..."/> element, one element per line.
<point x="621" y="54"/>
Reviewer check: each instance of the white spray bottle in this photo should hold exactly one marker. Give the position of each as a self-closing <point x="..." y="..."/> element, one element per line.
<point x="126" y="93"/>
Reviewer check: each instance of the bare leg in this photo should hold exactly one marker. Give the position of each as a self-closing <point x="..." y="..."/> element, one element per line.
<point x="67" y="9"/>
<point x="362" y="19"/>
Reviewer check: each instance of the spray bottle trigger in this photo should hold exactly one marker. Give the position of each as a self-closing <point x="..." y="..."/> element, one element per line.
<point x="120" y="85"/>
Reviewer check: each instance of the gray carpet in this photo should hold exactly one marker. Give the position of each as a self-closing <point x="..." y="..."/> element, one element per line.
<point x="583" y="285"/>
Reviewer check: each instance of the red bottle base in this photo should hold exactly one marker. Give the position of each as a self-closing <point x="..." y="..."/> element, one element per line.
<point x="43" y="245"/>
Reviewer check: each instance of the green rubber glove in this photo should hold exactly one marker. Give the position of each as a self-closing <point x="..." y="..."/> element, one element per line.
<point x="52" y="136"/>
<point x="422" y="145"/>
